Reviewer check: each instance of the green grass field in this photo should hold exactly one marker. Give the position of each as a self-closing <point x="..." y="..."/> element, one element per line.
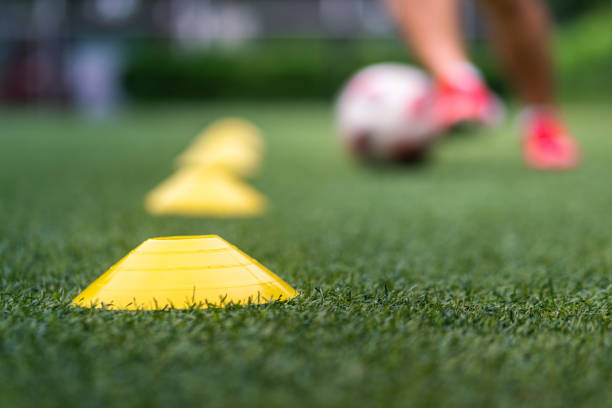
<point x="468" y="282"/>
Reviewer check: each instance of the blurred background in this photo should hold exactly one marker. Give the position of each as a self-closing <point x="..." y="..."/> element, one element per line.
<point x="95" y="55"/>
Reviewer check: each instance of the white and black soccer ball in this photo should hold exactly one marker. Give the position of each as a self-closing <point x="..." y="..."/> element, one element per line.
<point x="386" y="112"/>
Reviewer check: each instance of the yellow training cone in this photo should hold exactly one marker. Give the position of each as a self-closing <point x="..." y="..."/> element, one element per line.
<point x="205" y="192"/>
<point x="232" y="128"/>
<point x="184" y="272"/>
<point x="234" y="144"/>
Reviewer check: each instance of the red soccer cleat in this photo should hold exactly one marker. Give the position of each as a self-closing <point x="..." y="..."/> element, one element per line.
<point x="467" y="99"/>
<point x="547" y="145"/>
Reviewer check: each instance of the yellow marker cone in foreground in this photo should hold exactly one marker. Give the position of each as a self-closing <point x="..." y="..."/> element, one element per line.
<point x="205" y="192"/>
<point x="233" y="144"/>
<point x="184" y="272"/>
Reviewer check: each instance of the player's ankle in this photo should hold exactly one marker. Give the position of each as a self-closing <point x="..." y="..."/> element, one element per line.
<point x="532" y="116"/>
<point x="461" y="76"/>
<point x="535" y="111"/>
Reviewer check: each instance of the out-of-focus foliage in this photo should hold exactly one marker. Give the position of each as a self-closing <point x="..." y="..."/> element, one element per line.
<point x="268" y="69"/>
<point x="585" y="54"/>
<point x="297" y="69"/>
<point x="567" y="9"/>
<point x="316" y="68"/>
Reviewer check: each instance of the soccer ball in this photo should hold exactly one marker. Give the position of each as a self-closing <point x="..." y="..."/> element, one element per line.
<point x="386" y="112"/>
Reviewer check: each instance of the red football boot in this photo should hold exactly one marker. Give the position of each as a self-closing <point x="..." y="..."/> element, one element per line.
<point x="547" y="145"/>
<point x="466" y="99"/>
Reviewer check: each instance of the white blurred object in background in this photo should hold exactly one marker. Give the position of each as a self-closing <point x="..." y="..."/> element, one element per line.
<point x="94" y="78"/>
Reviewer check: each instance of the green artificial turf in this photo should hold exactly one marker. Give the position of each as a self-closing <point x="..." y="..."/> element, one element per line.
<point x="471" y="281"/>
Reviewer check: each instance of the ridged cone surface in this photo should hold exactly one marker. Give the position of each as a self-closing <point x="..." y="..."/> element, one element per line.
<point x="232" y="144"/>
<point x="194" y="191"/>
<point x="184" y="272"/>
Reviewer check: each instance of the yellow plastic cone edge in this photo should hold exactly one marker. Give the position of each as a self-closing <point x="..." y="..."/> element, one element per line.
<point x="263" y="286"/>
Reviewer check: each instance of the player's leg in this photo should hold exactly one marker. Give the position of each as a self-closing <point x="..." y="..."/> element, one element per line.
<point x="432" y="29"/>
<point x="521" y="32"/>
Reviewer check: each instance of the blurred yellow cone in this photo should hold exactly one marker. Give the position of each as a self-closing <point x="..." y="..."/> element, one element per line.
<point x="233" y="144"/>
<point x="184" y="272"/>
<point x="205" y="192"/>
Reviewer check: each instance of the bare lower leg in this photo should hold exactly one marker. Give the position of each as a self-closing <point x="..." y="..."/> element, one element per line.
<point x="432" y="28"/>
<point x="521" y="31"/>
